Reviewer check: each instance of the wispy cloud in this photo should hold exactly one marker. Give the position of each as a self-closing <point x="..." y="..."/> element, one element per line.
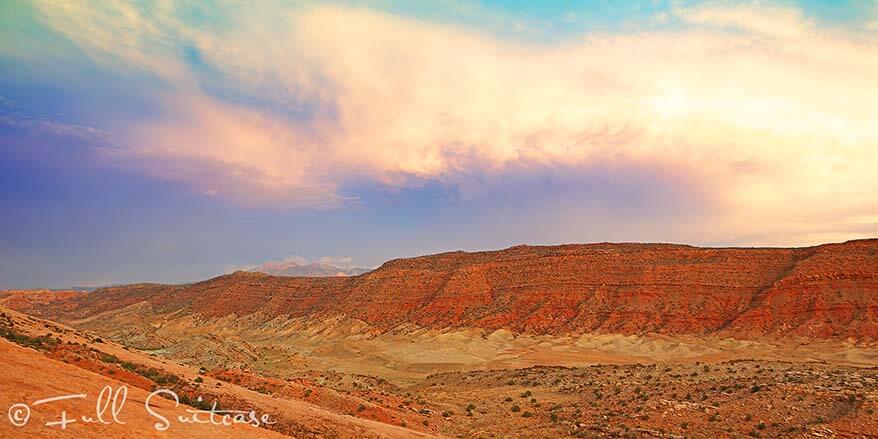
<point x="774" y="112"/>
<point x="43" y="127"/>
<point x="757" y="18"/>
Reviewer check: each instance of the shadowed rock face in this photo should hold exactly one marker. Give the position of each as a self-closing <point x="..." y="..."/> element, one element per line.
<point x="825" y="291"/>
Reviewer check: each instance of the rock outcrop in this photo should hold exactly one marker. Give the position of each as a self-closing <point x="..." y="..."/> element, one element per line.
<point x="828" y="291"/>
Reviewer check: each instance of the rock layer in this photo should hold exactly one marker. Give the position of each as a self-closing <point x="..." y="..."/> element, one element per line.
<point x="826" y="291"/>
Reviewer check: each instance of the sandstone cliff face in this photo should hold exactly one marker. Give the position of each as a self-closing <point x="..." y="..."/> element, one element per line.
<point x="832" y="292"/>
<point x="825" y="291"/>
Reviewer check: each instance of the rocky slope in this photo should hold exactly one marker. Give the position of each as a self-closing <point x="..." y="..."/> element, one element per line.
<point x="41" y="359"/>
<point x="717" y="398"/>
<point x="825" y="291"/>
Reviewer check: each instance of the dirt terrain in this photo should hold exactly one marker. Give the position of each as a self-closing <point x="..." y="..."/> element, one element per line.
<point x="41" y="359"/>
<point x="669" y="398"/>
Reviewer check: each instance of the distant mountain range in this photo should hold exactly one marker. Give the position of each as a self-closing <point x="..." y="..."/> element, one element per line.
<point x="312" y="269"/>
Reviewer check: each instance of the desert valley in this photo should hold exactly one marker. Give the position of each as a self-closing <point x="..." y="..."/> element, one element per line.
<point x="599" y="340"/>
<point x="468" y="219"/>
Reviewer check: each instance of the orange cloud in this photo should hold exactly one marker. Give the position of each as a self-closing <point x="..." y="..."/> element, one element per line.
<point x="778" y="113"/>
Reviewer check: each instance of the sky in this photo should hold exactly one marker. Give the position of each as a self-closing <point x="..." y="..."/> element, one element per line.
<point x="174" y="141"/>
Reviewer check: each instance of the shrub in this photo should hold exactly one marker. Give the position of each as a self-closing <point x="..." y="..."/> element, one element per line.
<point x="199" y="403"/>
<point x="108" y="358"/>
<point x="515" y="409"/>
<point x="39" y="343"/>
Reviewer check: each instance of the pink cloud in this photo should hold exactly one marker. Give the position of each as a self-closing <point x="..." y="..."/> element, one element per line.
<point x="410" y="100"/>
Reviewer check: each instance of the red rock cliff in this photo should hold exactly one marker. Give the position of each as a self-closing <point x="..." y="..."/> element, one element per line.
<point x="824" y="291"/>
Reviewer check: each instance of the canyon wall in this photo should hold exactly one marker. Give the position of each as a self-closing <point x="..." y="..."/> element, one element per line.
<point x="824" y="291"/>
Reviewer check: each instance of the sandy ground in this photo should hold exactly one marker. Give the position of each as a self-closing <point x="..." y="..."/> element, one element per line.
<point x="282" y="346"/>
<point x="27" y="375"/>
<point x="340" y="378"/>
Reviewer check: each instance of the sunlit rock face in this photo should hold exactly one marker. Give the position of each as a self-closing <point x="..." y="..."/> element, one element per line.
<point x="825" y="292"/>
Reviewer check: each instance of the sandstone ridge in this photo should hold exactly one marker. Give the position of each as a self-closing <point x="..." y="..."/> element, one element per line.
<point x="827" y="291"/>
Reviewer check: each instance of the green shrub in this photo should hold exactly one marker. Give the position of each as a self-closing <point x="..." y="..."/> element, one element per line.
<point x="108" y="358"/>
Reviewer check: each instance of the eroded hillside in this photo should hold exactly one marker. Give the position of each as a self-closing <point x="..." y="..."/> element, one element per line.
<point x="826" y="291"/>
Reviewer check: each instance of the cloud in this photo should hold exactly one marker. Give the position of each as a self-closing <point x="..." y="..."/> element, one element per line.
<point x="758" y="18"/>
<point x="44" y="127"/>
<point x="344" y="262"/>
<point x="871" y="23"/>
<point x="775" y="114"/>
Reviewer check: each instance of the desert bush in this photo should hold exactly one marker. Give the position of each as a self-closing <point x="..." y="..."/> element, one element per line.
<point x="41" y="343"/>
<point x="108" y="358"/>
